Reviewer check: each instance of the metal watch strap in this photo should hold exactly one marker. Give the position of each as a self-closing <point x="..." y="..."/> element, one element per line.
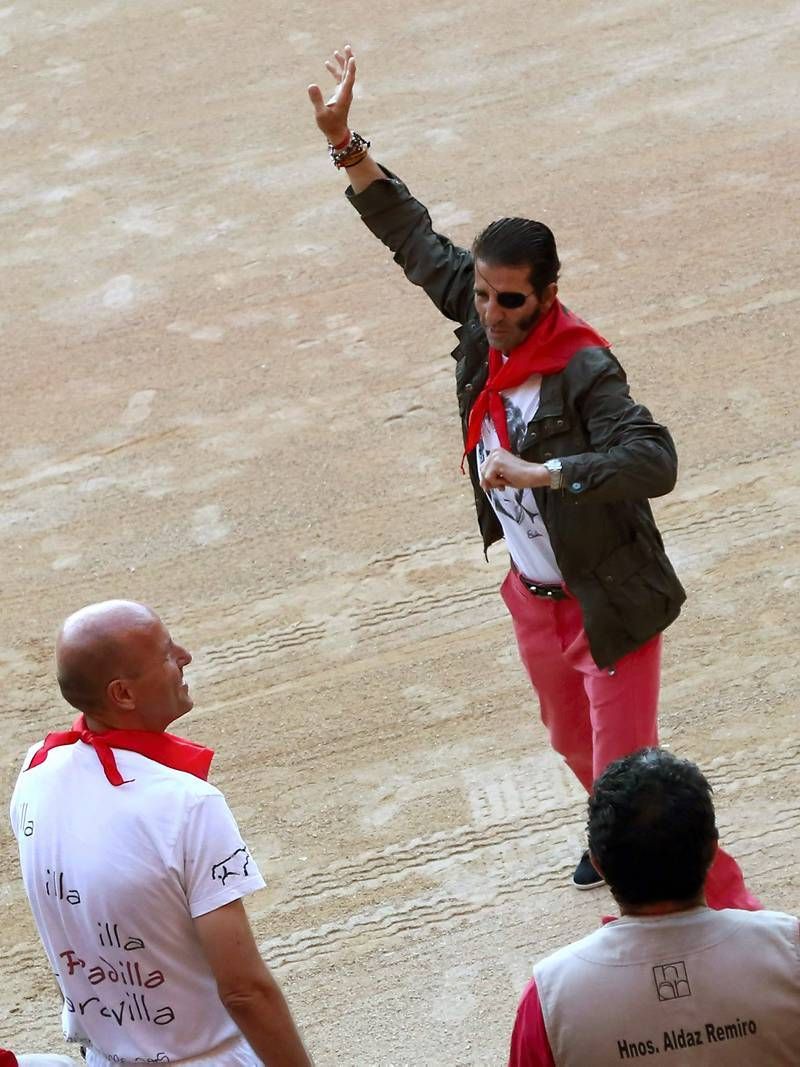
<point x="556" y="473"/>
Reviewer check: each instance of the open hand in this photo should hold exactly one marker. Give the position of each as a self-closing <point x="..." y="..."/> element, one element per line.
<point x="332" y="116"/>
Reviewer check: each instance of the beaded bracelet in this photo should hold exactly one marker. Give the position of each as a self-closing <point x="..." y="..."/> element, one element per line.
<point x="354" y="150"/>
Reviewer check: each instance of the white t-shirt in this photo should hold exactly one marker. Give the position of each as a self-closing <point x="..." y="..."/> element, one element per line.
<point x="37" y="1059"/>
<point x="114" y="876"/>
<point x="523" y="527"/>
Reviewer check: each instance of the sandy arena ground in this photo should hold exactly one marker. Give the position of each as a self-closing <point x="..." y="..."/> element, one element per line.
<point x="220" y="397"/>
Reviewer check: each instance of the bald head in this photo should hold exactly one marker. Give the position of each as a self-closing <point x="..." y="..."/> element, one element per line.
<point x="95" y="646"/>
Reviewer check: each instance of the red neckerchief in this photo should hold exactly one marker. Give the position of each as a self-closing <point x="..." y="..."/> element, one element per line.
<point x="547" y="349"/>
<point x="172" y="751"/>
<point x="8" y="1059"/>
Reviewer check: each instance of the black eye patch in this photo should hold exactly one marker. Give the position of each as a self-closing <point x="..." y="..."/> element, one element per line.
<point x="512" y="300"/>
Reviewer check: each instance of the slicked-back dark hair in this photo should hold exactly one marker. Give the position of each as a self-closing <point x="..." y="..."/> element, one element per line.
<point x="520" y="243"/>
<point x="651" y="827"/>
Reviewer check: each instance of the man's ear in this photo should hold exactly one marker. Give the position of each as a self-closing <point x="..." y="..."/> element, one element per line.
<point x="548" y="296"/>
<point x="120" y="695"/>
<point x="595" y="864"/>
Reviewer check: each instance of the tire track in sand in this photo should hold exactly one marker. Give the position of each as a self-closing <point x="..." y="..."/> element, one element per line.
<point x="504" y="875"/>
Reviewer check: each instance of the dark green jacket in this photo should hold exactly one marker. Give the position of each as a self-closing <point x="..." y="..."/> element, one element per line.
<point x="614" y="456"/>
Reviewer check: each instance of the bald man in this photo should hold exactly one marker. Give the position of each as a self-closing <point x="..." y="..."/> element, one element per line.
<point x="134" y="865"/>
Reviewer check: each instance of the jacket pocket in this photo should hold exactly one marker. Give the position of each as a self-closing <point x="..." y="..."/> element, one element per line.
<point x="537" y="439"/>
<point x="638" y="587"/>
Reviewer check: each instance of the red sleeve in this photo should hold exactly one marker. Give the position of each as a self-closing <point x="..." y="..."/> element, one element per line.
<point x="529" y="1044"/>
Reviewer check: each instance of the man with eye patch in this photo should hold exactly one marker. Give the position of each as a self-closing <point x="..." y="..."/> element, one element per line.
<point x="562" y="462"/>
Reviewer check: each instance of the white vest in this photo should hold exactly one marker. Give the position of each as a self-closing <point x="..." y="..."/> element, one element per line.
<point x="698" y="987"/>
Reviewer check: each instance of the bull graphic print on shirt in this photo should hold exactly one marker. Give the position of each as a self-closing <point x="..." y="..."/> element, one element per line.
<point x="233" y="866"/>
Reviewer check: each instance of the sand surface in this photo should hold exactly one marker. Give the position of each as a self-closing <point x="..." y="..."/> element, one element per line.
<point x="219" y="396"/>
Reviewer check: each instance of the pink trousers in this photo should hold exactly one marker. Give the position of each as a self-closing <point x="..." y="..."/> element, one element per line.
<point x="594" y="715"/>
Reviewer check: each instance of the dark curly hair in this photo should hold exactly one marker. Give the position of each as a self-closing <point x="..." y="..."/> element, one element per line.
<point x="651" y="827"/>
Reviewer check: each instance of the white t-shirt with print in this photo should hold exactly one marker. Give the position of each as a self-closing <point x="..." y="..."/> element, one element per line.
<point x="523" y="527"/>
<point x="115" y="875"/>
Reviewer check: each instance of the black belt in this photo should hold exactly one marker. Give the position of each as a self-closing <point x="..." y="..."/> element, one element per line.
<point x="551" y="592"/>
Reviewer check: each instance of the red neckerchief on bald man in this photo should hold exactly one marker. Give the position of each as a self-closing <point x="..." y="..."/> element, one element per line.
<point x="547" y="349"/>
<point x="168" y="749"/>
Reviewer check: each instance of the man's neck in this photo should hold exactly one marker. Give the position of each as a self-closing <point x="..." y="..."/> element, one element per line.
<point x="98" y="723"/>
<point x="663" y="907"/>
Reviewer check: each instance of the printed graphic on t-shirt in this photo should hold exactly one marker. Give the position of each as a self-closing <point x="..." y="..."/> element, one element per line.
<point x="516" y="421"/>
<point x="123" y="983"/>
<point x="523" y="527"/>
<point x="518" y="505"/>
<point x="233" y="866"/>
<point x="25" y="824"/>
<point x="672" y="981"/>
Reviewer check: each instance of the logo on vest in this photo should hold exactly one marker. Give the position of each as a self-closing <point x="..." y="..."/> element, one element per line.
<point x="672" y="981"/>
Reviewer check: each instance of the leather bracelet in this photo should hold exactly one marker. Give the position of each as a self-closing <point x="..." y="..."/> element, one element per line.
<point x="351" y="162"/>
<point x="353" y="152"/>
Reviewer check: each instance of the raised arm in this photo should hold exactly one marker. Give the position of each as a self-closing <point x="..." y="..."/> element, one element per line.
<point x="386" y="206"/>
<point x="333" y="117"/>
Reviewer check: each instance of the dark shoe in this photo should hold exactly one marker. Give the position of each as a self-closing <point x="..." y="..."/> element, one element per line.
<point x="585" y="876"/>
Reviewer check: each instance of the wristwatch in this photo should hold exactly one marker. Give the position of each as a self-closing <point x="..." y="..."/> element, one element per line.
<point x="556" y="473"/>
